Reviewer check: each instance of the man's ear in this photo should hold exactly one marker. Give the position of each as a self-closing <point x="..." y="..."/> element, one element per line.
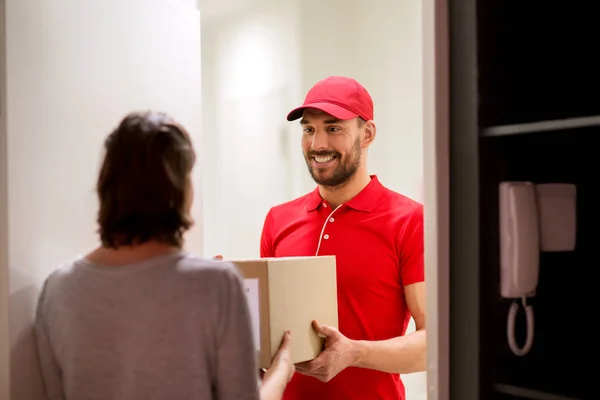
<point x="368" y="134"/>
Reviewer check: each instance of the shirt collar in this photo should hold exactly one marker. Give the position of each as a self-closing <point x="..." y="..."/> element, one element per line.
<point x="366" y="200"/>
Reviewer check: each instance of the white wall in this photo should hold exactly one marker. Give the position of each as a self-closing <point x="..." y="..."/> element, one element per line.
<point x="277" y="51"/>
<point x="73" y="69"/>
<point x="248" y="84"/>
<point x="389" y="56"/>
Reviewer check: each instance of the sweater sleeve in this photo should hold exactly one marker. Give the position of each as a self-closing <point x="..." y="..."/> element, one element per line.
<point x="236" y="377"/>
<point x="51" y="372"/>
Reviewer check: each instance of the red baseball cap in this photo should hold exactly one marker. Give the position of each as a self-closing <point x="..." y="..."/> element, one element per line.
<point x="344" y="98"/>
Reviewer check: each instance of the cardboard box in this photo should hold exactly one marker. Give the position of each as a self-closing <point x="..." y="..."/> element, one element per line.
<point x="288" y="294"/>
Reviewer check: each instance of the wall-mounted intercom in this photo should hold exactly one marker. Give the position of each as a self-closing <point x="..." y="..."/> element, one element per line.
<point x="533" y="218"/>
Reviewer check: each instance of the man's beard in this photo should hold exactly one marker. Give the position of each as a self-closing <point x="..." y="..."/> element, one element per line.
<point x="342" y="173"/>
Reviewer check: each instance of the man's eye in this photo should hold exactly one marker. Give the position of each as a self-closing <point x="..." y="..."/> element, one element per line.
<point x="307" y="130"/>
<point x="333" y="129"/>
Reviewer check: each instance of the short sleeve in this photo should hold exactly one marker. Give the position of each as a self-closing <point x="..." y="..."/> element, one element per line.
<point x="411" y="248"/>
<point x="266" y="237"/>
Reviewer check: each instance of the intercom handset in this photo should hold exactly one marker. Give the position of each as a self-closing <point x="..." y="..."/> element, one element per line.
<point x="533" y="218"/>
<point x="519" y="254"/>
<point x="519" y="240"/>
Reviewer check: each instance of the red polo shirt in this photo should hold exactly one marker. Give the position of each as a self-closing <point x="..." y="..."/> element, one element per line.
<point x="377" y="238"/>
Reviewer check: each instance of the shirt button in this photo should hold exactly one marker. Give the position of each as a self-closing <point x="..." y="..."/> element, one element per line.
<point x="324" y="205"/>
<point x="331" y="219"/>
<point x="326" y="236"/>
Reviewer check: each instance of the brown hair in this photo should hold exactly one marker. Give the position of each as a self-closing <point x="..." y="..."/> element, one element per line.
<point x="143" y="185"/>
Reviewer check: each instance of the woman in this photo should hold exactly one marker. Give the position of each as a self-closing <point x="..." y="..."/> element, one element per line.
<point x="139" y="318"/>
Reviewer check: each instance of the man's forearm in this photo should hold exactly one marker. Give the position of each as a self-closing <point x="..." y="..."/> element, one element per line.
<point x="401" y="355"/>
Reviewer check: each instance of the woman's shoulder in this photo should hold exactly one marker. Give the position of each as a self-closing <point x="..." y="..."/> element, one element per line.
<point x="194" y="265"/>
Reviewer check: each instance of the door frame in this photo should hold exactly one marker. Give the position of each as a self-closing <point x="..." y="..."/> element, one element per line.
<point x="4" y="276"/>
<point x="436" y="163"/>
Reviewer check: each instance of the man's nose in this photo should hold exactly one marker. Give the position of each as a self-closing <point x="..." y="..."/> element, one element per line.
<point x="319" y="140"/>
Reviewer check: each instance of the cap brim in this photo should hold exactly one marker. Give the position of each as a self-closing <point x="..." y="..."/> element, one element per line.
<point x="329" y="108"/>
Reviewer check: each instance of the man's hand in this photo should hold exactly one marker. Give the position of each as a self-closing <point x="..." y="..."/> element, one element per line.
<point x="339" y="353"/>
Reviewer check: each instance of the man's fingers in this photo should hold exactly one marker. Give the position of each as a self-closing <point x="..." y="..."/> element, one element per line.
<point x="312" y="365"/>
<point x="303" y="365"/>
<point x="324" y="330"/>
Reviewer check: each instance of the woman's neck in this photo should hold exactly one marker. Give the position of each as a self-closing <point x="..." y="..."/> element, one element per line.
<point x="125" y="255"/>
